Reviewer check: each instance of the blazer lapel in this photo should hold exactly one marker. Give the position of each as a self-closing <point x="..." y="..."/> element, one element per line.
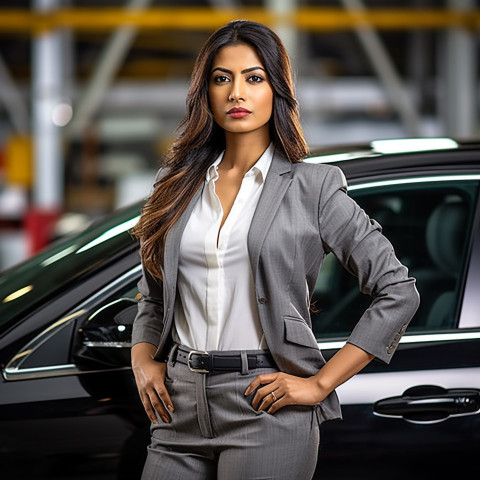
<point x="276" y="184"/>
<point x="172" y="244"/>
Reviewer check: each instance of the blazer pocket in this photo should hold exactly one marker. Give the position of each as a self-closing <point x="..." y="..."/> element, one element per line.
<point x="297" y="331"/>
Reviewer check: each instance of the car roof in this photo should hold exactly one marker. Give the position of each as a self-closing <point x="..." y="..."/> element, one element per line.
<point x="412" y="155"/>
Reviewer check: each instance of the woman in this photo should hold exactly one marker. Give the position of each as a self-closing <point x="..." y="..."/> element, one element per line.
<point x="232" y="238"/>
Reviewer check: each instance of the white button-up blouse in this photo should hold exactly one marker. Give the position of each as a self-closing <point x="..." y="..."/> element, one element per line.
<point x="216" y="306"/>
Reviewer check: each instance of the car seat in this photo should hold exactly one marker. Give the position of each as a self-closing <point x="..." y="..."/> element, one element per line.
<point x="438" y="285"/>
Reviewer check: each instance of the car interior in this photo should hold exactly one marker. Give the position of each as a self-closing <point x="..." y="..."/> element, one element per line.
<point x="429" y="225"/>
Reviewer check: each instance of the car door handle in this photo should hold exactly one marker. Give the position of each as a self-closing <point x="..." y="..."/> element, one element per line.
<point x="430" y="403"/>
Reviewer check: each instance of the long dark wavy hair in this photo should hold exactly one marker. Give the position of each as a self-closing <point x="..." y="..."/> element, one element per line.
<point x="201" y="140"/>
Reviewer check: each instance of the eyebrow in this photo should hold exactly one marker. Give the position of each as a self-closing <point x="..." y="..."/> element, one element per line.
<point x="247" y="70"/>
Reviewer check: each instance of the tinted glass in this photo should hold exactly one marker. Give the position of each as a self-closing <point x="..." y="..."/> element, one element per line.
<point x="429" y="224"/>
<point x="23" y="287"/>
<point x="87" y="337"/>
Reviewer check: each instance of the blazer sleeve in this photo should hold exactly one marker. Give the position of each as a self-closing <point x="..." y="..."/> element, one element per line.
<point x="148" y="324"/>
<point x="357" y="241"/>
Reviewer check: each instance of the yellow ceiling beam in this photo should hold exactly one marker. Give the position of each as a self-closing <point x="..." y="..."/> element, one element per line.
<point x="105" y="19"/>
<point x="206" y="18"/>
<point x="316" y="19"/>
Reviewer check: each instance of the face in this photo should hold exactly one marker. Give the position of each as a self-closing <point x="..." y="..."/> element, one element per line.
<point x="240" y="94"/>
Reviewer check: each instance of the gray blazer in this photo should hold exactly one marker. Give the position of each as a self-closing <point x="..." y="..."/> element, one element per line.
<point x="303" y="214"/>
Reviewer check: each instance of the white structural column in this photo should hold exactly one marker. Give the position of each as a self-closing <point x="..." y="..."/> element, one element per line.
<point x="461" y="64"/>
<point x="284" y="27"/>
<point x="46" y="95"/>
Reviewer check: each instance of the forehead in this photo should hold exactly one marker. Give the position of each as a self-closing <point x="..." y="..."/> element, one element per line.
<point x="238" y="56"/>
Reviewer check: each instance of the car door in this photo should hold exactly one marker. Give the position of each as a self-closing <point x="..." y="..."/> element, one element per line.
<point x="69" y="407"/>
<point x="417" y="416"/>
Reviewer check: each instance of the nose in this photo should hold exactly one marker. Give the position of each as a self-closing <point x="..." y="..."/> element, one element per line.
<point x="237" y="92"/>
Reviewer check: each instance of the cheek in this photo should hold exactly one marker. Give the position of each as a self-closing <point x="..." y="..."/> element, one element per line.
<point x="267" y="103"/>
<point x="213" y="99"/>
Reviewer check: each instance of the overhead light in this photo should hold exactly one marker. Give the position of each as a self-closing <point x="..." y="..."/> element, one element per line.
<point x="62" y="114"/>
<point x="405" y="145"/>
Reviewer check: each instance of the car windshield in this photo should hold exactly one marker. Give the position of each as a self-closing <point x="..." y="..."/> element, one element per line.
<point x="25" y="285"/>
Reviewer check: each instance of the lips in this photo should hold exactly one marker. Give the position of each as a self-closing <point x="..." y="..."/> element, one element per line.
<point x="238" y="112"/>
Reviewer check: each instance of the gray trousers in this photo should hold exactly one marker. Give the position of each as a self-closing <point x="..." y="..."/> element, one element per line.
<point x="215" y="433"/>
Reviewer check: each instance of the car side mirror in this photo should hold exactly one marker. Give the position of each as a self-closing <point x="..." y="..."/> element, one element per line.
<point x="104" y="340"/>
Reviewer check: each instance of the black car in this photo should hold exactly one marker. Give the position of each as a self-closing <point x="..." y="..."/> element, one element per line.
<point x="68" y="402"/>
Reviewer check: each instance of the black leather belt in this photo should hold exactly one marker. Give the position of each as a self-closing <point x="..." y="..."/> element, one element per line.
<point x="210" y="362"/>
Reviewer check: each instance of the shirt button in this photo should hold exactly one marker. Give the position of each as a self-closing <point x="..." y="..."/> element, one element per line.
<point x="262" y="300"/>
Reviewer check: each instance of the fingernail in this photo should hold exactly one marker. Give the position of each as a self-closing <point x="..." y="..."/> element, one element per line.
<point x="170" y="408"/>
<point x="247" y="391"/>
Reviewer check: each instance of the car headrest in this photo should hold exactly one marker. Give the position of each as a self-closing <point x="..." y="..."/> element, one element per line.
<point x="445" y="235"/>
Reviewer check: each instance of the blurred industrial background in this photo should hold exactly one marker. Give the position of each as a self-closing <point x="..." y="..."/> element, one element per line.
<point x="91" y="90"/>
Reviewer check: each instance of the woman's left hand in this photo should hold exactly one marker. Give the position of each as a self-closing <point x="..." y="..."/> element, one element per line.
<point x="281" y="389"/>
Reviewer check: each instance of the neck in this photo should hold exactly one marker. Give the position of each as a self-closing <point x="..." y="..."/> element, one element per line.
<point x="242" y="151"/>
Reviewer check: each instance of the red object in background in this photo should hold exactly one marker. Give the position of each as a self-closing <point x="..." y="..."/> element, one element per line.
<point x="40" y="226"/>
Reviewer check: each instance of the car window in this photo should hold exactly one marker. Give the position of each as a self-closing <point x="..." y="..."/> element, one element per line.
<point x="429" y="223"/>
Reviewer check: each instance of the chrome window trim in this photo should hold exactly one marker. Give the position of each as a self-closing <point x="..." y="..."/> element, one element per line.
<point x="420" y="179"/>
<point x="11" y="374"/>
<point x="413" y="338"/>
<point x="108" y="344"/>
<point x="469" y="313"/>
<point x="13" y="370"/>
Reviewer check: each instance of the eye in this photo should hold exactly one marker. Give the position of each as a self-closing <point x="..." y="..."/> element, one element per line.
<point x="255" y="78"/>
<point x="221" y="79"/>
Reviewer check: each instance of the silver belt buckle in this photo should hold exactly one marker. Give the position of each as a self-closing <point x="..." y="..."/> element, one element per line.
<point x="189" y="359"/>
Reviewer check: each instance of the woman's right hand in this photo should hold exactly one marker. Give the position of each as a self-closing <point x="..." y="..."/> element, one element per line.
<point x="150" y="378"/>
